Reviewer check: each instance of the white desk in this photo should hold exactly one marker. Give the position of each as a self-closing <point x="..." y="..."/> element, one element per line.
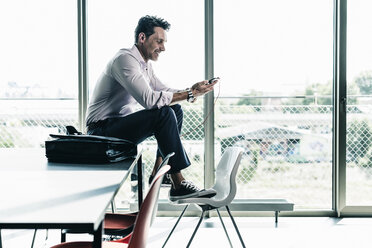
<point x="36" y="194"/>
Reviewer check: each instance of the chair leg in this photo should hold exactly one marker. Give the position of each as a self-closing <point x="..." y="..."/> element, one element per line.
<point x="224" y="228"/>
<point x="175" y="225"/>
<point x="113" y="207"/>
<point x="236" y="227"/>
<point x="196" y="228"/>
<point x="46" y="236"/>
<point x="63" y="236"/>
<point x="33" y="239"/>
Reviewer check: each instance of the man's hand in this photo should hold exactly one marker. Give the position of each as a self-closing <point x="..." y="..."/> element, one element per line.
<point x="202" y="87"/>
<point x="197" y="89"/>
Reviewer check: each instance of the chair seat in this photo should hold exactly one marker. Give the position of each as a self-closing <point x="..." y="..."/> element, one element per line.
<point x="119" y="224"/>
<point x="212" y="202"/>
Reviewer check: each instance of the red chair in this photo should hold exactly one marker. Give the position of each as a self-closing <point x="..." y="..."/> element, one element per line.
<point x="137" y="239"/>
<point x="117" y="225"/>
<point x="122" y="224"/>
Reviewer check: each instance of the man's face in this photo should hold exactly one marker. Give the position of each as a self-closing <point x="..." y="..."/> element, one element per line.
<point x="153" y="45"/>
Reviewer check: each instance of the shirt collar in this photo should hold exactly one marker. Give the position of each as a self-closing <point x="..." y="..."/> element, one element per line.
<point x="138" y="56"/>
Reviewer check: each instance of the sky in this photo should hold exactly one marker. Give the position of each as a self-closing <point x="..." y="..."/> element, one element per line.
<point x="277" y="47"/>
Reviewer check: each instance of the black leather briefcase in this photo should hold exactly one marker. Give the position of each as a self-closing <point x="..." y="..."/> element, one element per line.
<point x="75" y="147"/>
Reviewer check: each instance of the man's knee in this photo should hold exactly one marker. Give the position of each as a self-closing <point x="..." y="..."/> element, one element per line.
<point x="178" y="111"/>
<point x="167" y="113"/>
<point x="176" y="107"/>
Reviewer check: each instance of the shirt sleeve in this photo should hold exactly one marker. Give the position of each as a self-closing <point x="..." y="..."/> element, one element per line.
<point x="158" y="85"/>
<point x="127" y="71"/>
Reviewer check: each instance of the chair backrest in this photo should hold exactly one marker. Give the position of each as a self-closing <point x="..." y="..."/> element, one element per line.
<point x="143" y="221"/>
<point x="165" y="160"/>
<point x="226" y="171"/>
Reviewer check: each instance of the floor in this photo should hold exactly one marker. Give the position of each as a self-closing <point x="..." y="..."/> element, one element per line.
<point x="291" y="232"/>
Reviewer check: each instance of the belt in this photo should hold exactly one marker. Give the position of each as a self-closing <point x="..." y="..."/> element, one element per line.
<point x="96" y="124"/>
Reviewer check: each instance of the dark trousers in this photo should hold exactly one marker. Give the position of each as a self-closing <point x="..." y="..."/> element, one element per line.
<point x="164" y="123"/>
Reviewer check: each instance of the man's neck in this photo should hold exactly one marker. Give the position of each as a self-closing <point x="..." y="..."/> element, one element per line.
<point x="140" y="50"/>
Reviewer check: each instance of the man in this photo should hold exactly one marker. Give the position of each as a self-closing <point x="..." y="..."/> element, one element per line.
<point x="129" y="80"/>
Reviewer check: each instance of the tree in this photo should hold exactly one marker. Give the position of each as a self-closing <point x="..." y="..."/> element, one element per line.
<point x="352" y="89"/>
<point x="364" y="82"/>
<point x="322" y="94"/>
<point x="254" y="100"/>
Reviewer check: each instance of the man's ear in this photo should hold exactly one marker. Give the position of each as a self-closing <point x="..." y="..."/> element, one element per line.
<point x="141" y="37"/>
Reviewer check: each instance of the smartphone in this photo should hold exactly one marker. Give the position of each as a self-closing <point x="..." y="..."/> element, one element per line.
<point x="212" y="80"/>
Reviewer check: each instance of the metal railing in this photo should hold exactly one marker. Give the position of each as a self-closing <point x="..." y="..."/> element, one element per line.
<point x="288" y="148"/>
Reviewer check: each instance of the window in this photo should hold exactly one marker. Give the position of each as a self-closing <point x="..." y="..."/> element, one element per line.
<point x="275" y="61"/>
<point x="111" y="27"/>
<point x="38" y="70"/>
<point x="359" y="90"/>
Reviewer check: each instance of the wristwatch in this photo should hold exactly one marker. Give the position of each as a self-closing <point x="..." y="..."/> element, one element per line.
<point x="190" y="95"/>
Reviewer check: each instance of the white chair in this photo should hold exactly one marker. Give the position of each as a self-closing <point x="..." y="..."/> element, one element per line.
<point x="225" y="187"/>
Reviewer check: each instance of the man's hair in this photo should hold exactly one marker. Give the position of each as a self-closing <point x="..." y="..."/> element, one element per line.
<point x="147" y="24"/>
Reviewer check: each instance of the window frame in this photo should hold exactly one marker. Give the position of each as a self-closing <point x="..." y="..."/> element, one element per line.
<point x="339" y="103"/>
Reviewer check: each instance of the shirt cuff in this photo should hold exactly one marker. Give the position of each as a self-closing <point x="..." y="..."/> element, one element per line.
<point x="165" y="99"/>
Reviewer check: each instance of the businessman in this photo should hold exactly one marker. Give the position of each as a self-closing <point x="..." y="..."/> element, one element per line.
<point x="128" y="81"/>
